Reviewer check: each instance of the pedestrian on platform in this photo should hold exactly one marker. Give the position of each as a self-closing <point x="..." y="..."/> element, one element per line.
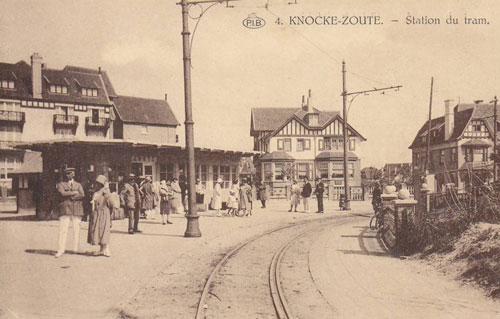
<point x="306" y="194"/>
<point x="246" y="197"/>
<point x="200" y="192"/>
<point x="130" y="201"/>
<point x="216" y="197"/>
<point x="183" y="185"/>
<point x="165" y="192"/>
<point x="70" y="209"/>
<point x="319" y="190"/>
<point x="176" y="196"/>
<point x="261" y="192"/>
<point x="294" y="196"/>
<point x="100" y="217"/>
<point x="148" y="195"/>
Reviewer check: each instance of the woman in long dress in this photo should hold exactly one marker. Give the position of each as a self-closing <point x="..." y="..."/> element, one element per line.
<point x="164" y="208"/>
<point x="100" y="218"/>
<point x="295" y="196"/>
<point x="246" y="197"/>
<point x="216" y="197"/>
<point x="147" y="197"/>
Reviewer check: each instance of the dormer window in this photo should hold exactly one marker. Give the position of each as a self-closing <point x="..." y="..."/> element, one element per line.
<point x="312" y="119"/>
<point x="59" y="89"/>
<point x="7" y="84"/>
<point x="89" y="92"/>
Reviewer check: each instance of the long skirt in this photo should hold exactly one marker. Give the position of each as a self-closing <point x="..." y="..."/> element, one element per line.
<point x="164" y="209"/>
<point x="99" y="227"/>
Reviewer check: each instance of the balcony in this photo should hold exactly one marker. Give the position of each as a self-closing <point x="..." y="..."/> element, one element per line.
<point x="65" y="121"/>
<point x="12" y="117"/>
<point x="97" y="123"/>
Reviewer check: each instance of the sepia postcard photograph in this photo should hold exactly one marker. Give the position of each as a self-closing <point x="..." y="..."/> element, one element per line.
<point x="208" y="159"/>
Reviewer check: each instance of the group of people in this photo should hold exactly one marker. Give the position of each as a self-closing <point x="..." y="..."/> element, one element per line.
<point x="239" y="200"/>
<point x="305" y="192"/>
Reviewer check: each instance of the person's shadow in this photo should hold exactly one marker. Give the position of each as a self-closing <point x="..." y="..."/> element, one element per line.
<point x="51" y="252"/>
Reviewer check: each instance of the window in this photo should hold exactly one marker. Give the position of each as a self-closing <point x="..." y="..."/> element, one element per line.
<point x="225" y="174"/>
<point x="144" y="129"/>
<point x="95" y="116"/>
<point x="278" y="171"/>
<point x="148" y="171"/>
<point x="23" y="182"/>
<point x="204" y="174"/>
<point x="7" y="84"/>
<point x="303" y="144"/>
<point x="281" y="145"/>
<point x="268" y="174"/>
<point x="321" y="145"/>
<point x="323" y="169"/>
<point x="89" y="92"/>
<point x="352" y="144"/>
<point x="441" y="156"/>
<point x="234" y="173"/>
<point x="453" y="155"/>
<point x="476" y="154"/>
<point x="328" y="144"/>
<point x="60" y="89"/>
<point x="350" y="170"/>
<point x="303" y="170"/>
<point x="338" y="170"/>
<point x="215" y="173"/>
<point x="287" y="143"/>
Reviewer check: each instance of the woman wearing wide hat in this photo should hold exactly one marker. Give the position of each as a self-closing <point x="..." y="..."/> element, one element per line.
<point x="100" y="218"/>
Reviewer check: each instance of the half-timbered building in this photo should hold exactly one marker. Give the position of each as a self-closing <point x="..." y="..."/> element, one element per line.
<point x="305" y="142"/>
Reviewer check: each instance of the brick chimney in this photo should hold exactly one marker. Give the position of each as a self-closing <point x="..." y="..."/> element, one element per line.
<point x="309" y="102"/>
<point x="304" y="102"/>
<point x="449" y="119"/>
<point x="36" y="75"/>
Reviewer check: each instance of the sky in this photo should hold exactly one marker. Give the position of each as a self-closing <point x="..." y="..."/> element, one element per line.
<point x="235" y="68"/>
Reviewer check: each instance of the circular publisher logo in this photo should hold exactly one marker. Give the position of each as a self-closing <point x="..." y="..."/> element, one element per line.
<point x="253" y="22"/>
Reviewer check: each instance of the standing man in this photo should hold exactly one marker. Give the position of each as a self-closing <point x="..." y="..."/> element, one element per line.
<point x="261" y="192"/>
<point x="70" y="209"/>
<point x="129" y="203"/>
<point x="306" y="193"/>
<point x="320" y="189"/>
<point x="183" y="185"/>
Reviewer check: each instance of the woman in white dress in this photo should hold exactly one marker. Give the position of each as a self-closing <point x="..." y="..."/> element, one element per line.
<point x="216" y="197"/>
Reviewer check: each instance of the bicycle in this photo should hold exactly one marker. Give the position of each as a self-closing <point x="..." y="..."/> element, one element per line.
<point x="377" y="220"/>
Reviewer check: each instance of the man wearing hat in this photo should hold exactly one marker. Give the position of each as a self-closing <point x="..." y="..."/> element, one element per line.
<point x="320" y="189"/>
<point x="70" y="209"/>
<point x="129" y="199"/>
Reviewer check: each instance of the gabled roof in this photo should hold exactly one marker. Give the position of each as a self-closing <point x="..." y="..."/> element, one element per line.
<point x="144" y="111"/>
<point x="461" y="120"/>
<point x="74" y="78"/>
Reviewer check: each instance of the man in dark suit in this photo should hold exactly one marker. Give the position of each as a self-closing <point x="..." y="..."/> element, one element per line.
<point x="71" y="195"/>
<point x="320" y="189"/>
<point x="306" y="194"/>
<point x="130" y="199"/>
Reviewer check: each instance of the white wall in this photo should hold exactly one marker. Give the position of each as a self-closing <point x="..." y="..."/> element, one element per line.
<point x="155" y="134"/>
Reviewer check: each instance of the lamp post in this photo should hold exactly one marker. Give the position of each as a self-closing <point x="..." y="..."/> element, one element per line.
<point x="193" y="227"/>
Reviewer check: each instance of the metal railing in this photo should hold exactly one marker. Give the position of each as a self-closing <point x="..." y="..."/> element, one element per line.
<point x="12" y="116"/>
<point x="65" y="120"/>
<point x="100" y="122"/>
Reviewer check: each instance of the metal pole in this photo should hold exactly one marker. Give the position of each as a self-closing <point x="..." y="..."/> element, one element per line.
<point x="193" y="228"/>
<point x="347" y="194"/>
<point x="428" y="153"/>
<point x="495" y="162"/>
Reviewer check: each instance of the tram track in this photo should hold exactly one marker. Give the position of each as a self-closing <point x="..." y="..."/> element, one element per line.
<point x="276" y="294"/>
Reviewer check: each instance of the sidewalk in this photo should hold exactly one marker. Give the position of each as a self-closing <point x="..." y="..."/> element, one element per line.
<point x="37" y="285"/>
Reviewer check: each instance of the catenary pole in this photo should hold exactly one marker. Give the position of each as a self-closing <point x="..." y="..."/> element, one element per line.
<point x="192" y="228"/>
<point x="347" y="205"/>
<point x="495" y="131"/>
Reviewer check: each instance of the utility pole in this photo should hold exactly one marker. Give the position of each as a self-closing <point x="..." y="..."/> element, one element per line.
<point x="495" y="160"/>
<point x="193" y="227"/>
<point x="428" y="151"/>
<point x="347" y="194"/>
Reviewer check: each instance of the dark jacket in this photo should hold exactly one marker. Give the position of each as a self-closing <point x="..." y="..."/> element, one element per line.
<point x="70" y="203"/>
<point x="320" y="189"/>
<point x="128" y="196"/>
<point x="306" y="190"/>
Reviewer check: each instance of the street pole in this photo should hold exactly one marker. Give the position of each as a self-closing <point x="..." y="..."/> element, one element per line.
<point x="429" y="126"/>
<point x="193" y="227"/>
<point x="495" y="161"/>
<point x="347" y="205"/>
<point x="345" y="94"/>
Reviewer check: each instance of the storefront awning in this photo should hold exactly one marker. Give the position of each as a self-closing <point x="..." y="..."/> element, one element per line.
<point x="32" y="164"/>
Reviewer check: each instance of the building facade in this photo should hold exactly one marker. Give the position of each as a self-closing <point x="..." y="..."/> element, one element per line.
<point x="461" y="144"/>
<point x="305" y="142"/>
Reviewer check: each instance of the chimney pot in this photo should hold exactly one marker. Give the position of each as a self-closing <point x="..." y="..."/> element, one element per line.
<point x="99" y="70"/>
<point x="166" y="97"/>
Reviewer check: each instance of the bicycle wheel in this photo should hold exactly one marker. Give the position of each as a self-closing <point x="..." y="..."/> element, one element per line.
<point x="374" y="222"/>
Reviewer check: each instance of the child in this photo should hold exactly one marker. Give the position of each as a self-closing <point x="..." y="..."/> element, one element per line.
<point x="232" y="203"/>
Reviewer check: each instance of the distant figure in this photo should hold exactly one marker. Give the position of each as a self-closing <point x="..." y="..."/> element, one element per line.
<point x="294" y="196"/>
<point x="184" y="188"/>
<point x="216" y="197"/>
<point x="306" y="194"/>
<point x="320" y="189"/>
<point x="376" y="198"/>
<point x="261" y="192"/>
<point x="233" y="200"/>
<point x="165" y="193"/>
<point x="246" y="197"/>
<point x="100" y="217"/>
<point x="148" y="195"/>
<point x="70" y="209"/>
<point x="200" y="192"/>
<point x="176" y="196"/>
